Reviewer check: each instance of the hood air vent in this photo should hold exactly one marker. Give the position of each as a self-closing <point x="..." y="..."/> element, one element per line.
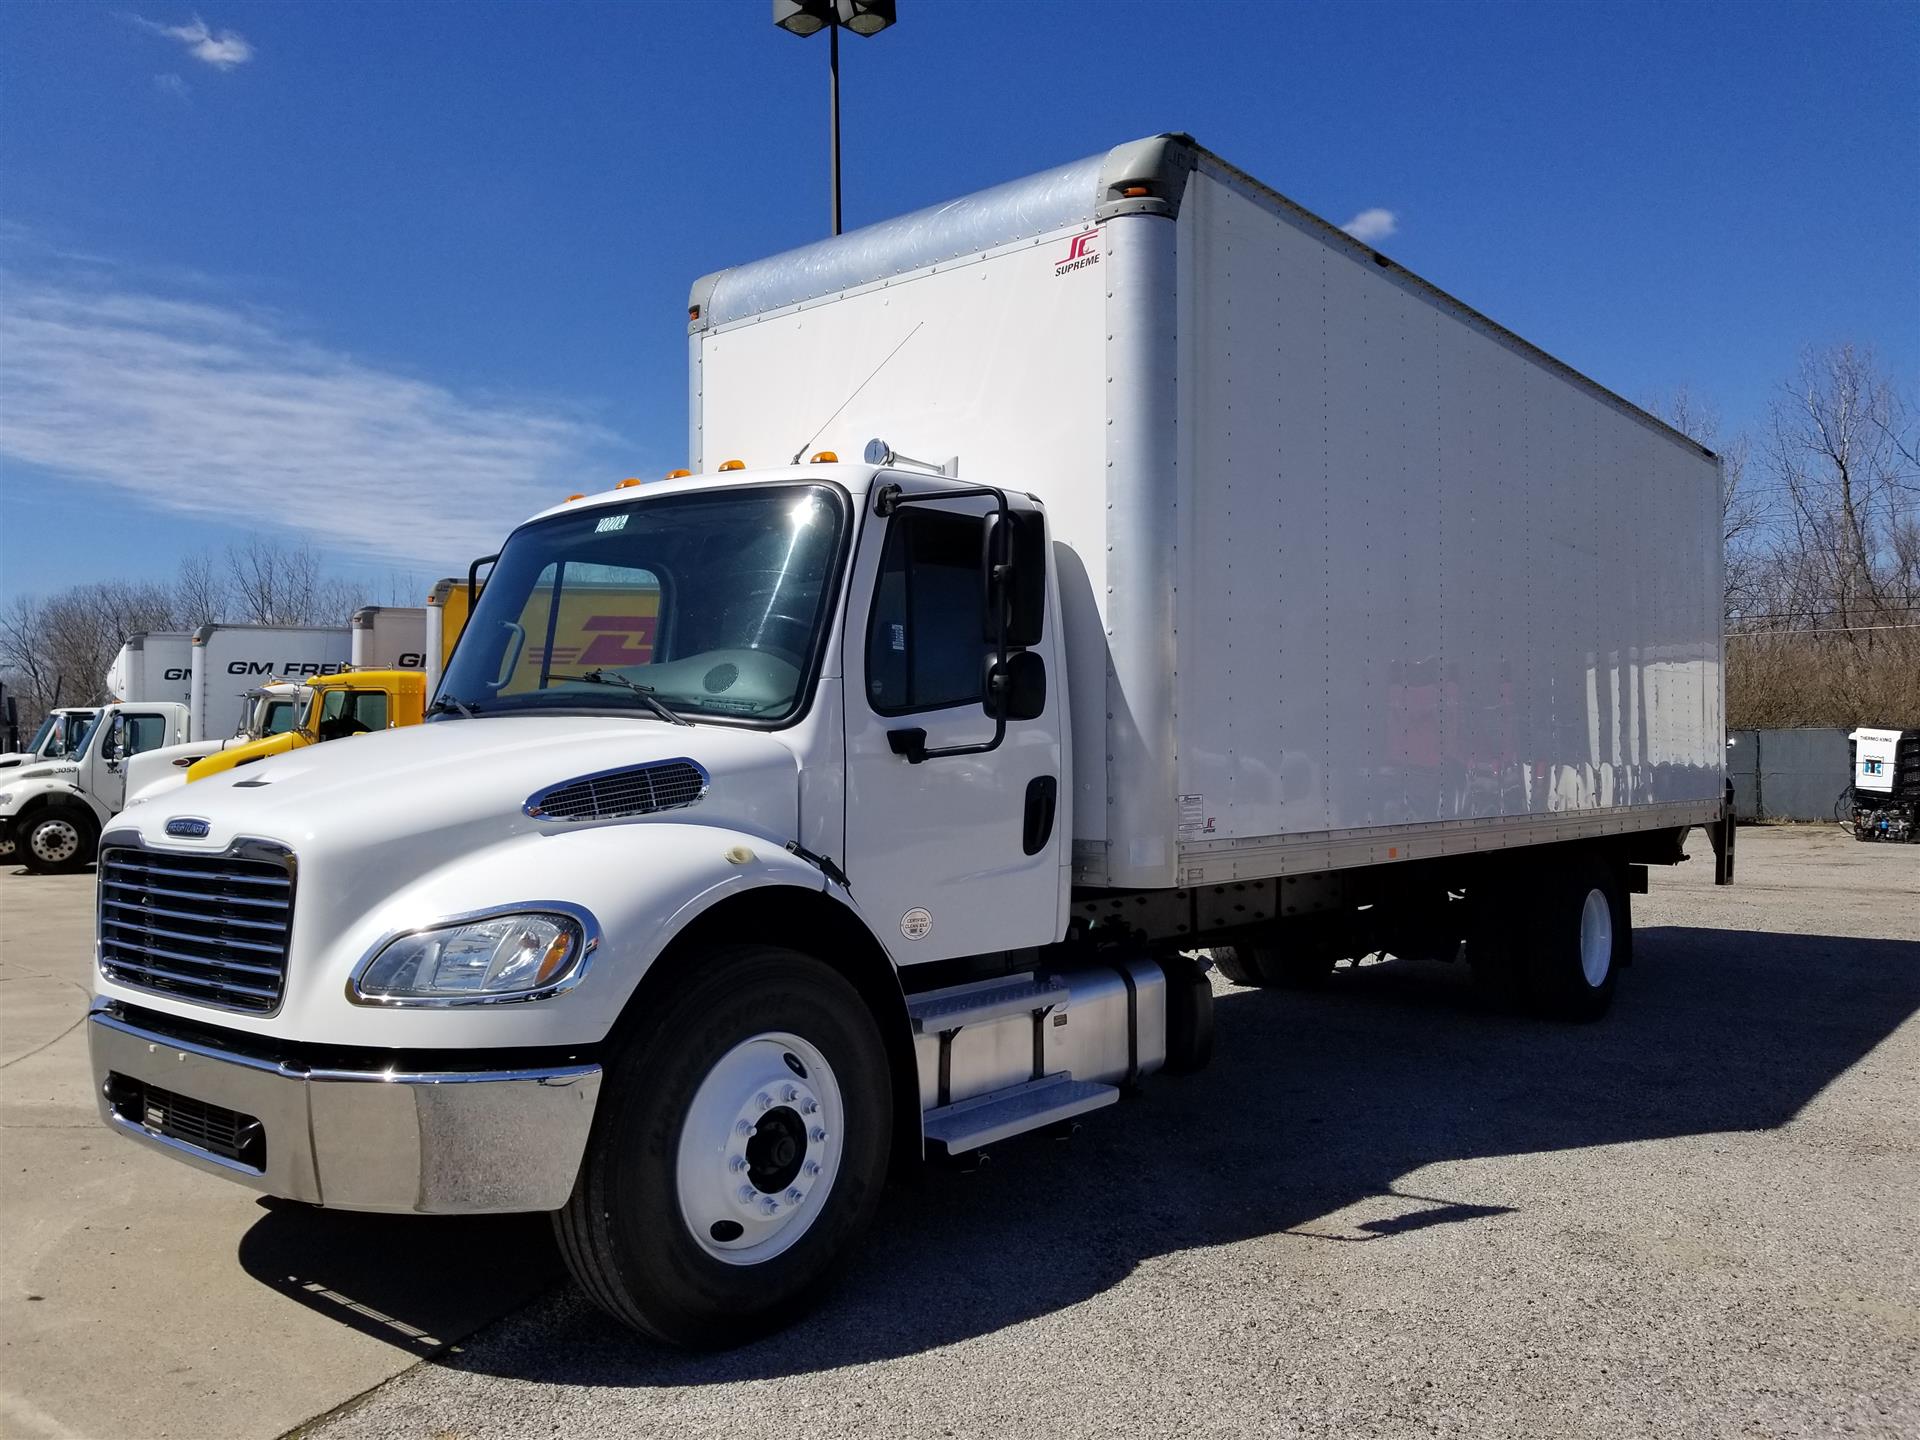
<point x="617" y="794"/>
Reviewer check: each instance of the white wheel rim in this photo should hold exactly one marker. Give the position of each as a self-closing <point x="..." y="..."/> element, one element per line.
<point x="1596" y="938"/>
<point x="55" y="840"/>
<point x="773" y="1098"/>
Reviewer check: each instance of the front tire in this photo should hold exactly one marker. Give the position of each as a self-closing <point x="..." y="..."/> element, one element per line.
<point x="57" y="840"/>
<point x="740" y="1149"/>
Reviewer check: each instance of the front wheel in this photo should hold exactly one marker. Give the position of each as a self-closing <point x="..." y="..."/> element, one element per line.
<point x="56" y="840"/>
<point x="740" y="1149"/>
<point x="1580" y="932"/>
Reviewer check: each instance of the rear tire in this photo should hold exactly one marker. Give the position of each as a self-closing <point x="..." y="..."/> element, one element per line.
<point x="740" y="1148"/>
<point x="1579" y="933"/>
<point x="57" y="839"/>
<point x="1189" y="1015"/>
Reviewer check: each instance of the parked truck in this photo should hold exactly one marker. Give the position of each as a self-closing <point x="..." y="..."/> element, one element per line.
<point x="389" y="637"/>
<point x="51" y="814"/>
<point x="153" y="665"/>
<point x="1258" y="599"/>
<point x="1886" y="784"/>
<point x="230" y="661"/>
<point x="60" y="734"/>
<point x="331" y="707"/>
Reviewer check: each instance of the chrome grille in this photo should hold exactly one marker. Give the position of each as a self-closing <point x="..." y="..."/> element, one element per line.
<point x="613" y="794"/>
<point x="208" y="928"/>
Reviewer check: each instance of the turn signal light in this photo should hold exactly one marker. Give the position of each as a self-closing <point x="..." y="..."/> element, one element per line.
<point x="628" y="483"/>
<point x="726" y="465"/>
<point x="1135" y="192"/>
<point x="678" y="474"/>
<point x="825" y="457"/>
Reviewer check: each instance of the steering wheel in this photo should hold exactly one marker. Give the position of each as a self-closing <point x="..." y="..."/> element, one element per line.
<point x="797" y="628"/>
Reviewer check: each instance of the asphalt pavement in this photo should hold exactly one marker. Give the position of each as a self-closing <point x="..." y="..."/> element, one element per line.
<point x="1385" y="1210"/>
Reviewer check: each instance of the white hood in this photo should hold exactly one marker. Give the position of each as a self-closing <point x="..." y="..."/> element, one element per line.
<point x="393" y="804"/>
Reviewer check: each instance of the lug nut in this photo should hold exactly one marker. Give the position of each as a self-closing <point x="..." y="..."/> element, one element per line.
<point x="818" y="1135"/>
<point x="763" y="1100"/>
<point x="813" y="1167"/>
<point x="745" y="1194"/>
<point x="790" y="1094"/>
<point x="811" y="1106"/>
<point x="769" y="1206"/>
<point x="794" y="1197"/>
<point x="738" y="1163"/>
<point x="743" y="1127"/>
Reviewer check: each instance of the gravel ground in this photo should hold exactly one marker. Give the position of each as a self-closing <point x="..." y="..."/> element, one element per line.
<point x="1383" y="1211"/>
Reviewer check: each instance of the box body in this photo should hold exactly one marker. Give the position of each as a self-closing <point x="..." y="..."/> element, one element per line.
<point x="1351" y="574"/>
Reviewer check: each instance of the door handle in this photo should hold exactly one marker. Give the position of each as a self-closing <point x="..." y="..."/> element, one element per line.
<point x="1037" y="825"/>
<point x="911" y="744"/>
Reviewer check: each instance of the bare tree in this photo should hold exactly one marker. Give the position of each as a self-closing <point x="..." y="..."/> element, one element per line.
<point x="270" y="583"/>
<point x="200" y="591"/>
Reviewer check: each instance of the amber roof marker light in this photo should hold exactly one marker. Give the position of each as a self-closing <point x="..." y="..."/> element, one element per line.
<point x="810" y="17"/>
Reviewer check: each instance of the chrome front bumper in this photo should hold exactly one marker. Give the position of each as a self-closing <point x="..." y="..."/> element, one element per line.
<point x="437" y="1143"/>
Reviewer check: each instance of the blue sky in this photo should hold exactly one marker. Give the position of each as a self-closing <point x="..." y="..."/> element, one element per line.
<point x="391" y="276"/>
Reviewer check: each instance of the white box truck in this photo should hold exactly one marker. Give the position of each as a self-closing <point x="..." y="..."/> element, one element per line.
<point x="153" y="665"/>
<point x="389" y="637"/>
<point x="1260" y="599"/>
<point x="230" y="661"/>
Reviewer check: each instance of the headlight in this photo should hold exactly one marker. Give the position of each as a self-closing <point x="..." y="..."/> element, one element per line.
<point x="523" y="956"/>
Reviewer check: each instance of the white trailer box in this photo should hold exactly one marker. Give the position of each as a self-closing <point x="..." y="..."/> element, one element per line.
<point x="230" y="660"/>
<point x="153" y="665"/>
<point x="1350" y="573"/>
<point x="389" y="637"/>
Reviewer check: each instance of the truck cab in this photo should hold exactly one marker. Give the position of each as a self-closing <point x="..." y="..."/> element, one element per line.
<point x="330" y="707"/>
<point x="60" y="735"/>
<point x="272" y="710"/>
<point x="51" y="815"/>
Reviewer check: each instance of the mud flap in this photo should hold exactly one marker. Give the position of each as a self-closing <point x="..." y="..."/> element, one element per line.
<point x="1722" y="833"/>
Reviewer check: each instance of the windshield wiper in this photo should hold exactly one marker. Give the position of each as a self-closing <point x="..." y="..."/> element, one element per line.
<point x="444" y="703"/>
<point x="645" y="692"/>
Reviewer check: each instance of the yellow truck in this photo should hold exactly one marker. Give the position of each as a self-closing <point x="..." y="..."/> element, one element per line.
<point x="354" y="702"/>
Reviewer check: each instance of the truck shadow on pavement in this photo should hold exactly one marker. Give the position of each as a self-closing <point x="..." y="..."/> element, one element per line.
<point x="1315" y="1105"/>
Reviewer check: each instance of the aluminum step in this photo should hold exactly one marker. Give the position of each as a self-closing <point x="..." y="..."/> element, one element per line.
<point x="951" y="1009"/>
<point x="983" y="1119"/>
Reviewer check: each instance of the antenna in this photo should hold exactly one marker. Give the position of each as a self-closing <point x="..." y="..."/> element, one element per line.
<point x="801" y="452"/>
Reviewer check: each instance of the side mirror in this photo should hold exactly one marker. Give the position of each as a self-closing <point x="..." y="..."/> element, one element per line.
<point x="1015" y="571"/>
<point x="1017" y="690"/>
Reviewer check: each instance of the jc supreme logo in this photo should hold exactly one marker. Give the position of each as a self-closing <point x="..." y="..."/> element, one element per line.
<point x="1080" y="253"/>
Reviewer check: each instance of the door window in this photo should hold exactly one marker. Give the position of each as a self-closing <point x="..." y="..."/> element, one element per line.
<point x="132" y="734"/>
<point x="352" y="712"/>
<point x="926" y="647"/>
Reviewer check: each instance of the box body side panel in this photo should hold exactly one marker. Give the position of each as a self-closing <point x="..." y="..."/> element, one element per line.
<point x="1424" y="579"/>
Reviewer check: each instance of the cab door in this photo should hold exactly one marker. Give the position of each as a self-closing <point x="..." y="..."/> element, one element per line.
<point x="129" y="733"/>
<point x="949" y="854"/>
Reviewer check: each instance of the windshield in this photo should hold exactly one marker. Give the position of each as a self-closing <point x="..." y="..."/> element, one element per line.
<point x="712" y="603"/>
<point x="61" y="735"/>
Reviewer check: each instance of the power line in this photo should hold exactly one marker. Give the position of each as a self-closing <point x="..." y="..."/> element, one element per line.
<point x="1835" y="630"/>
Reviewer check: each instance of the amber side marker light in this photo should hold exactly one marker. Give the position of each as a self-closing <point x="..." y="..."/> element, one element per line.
<point x="1135" y="192"/>
<point x="726" y="465"/>
<point x="825" y="457"/>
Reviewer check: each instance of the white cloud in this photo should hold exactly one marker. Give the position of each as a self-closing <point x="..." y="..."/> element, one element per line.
<point x="222" y="50"/>
<point x="1370" y="227"/>
<point x="171" y="84"/>
<point x="204" y="409"/>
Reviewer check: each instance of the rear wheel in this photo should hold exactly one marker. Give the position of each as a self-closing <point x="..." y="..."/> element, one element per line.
<point x="57" y="839"/>
<point x="740" y="1149"/>
<point x="1300" y="956"/>
<point x="1579" y="932"/>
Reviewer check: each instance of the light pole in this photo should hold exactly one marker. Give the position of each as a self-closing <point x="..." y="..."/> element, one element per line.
<point x="810" y="17"/>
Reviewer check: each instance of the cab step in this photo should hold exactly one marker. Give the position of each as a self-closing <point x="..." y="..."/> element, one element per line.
<point x="940" y="1010"/>
<point x="983" y="1119"/>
